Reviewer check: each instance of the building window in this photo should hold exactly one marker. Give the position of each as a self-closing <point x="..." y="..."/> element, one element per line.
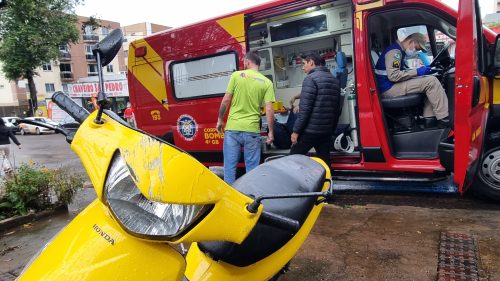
<point x="50" y="88"/>
<point x="47" y="67"/>
<point x="88" y="53"/>
<point x="109" y="68"/>
<point x="205" y="76"/>
<point x="104" y="30"/>
<point x="88" y="49"/>
<point x="63" y="48"/>
<point x="65" y="67"/>
<point x="65" y="88"/>
<point x="92" y="69"/>
<point x="87" y="29"/>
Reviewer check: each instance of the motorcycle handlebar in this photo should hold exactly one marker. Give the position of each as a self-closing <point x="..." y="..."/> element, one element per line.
<point x="71" y="107"/>
<point x="279" y="221"/>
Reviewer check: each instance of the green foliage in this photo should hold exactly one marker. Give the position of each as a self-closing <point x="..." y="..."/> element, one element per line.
<point x="65" y="184"/>
<point x="28" y="189"/>
<point x="31" y="187"/>
<point x="31" y="32"/>
<point x="93" y="21"/>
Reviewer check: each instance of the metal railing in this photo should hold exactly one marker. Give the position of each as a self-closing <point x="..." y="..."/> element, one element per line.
<point x="64" y="56"/>
<point x="66" y="75"/>
<point x="90" y="38"/>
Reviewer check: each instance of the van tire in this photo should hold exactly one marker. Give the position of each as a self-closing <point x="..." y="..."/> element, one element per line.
<point x="487" y="182"/>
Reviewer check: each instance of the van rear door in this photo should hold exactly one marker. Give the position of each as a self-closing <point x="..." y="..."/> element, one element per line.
<point x="470" y="93"/>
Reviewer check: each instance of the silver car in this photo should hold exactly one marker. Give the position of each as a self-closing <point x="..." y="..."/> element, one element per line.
<point x="33" y="129"/>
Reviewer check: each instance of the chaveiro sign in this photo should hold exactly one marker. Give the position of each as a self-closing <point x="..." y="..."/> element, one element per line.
<point x="117" y="88"/>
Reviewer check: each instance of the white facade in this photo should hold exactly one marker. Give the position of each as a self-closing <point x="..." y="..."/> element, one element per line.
<point x="8" y="96"/>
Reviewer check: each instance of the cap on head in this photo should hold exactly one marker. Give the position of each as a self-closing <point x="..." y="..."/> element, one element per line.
<point x="419" y="38"/>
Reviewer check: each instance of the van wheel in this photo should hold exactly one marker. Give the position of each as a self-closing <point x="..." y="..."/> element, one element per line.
<point x="487" y="184"/>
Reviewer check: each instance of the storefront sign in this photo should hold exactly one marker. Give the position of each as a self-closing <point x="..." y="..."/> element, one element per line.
<point x="118" y="88"/>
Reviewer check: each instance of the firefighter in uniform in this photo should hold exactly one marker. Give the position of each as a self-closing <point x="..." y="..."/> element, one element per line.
<point x="394" y="80"/>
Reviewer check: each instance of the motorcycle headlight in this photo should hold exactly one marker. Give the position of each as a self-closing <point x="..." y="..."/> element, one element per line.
<point x="141" y="216"/>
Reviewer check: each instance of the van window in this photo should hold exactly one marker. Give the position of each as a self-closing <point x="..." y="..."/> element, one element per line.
<point x="443" y="40"/>
<point x="204" y="76"/>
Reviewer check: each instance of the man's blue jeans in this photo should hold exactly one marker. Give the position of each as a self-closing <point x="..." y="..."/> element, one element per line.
<point x="233" y="140"/>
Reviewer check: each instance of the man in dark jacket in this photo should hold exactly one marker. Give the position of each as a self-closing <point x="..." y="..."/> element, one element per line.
<point x="318" y="116"/>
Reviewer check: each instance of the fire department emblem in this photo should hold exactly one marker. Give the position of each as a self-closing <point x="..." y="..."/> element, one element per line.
<point x="187" y="127"/>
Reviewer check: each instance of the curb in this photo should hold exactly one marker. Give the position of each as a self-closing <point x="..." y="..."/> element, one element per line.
<point x="88" y="184"/>
<point x="20" y="220"/>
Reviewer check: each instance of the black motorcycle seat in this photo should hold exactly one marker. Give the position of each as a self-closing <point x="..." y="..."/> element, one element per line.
<point x="290" y="174"/>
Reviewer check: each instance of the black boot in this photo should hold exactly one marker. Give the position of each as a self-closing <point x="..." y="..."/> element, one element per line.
<point x="443" y="123"/>
<point x="430" y="122"/>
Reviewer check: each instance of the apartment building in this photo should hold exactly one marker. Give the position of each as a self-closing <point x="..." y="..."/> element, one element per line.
<point x="137" y="31"/>
<point x="76" y="61"/>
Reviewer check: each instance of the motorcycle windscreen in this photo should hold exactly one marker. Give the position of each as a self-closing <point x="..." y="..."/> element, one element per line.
<point x="94" y="247"/>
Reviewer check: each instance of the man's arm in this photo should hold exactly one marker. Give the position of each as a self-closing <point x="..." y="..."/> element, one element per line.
<point x="224" y="105"/>
<point x="393" y="62"/>
<point x="292" y="100"/>
<point x="270" y="122"/>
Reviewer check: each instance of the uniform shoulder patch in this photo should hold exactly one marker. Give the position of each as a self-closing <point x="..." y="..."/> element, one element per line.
<point x="397" y="56"/>
<point x="396" y="64"/>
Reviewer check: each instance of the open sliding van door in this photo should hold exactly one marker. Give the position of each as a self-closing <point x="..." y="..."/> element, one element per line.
<point x="470" y="94"/>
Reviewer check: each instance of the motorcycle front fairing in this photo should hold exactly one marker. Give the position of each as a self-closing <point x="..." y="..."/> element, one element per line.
<point x="94" y="247"/>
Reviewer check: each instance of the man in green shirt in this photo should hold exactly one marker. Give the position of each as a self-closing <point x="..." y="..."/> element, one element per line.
<point x="246" y="92"/>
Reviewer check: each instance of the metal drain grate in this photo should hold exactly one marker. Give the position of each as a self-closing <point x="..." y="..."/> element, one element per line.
<point x="457" y="257"/>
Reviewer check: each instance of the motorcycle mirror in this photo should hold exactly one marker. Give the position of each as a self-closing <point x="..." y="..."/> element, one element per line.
<point x="109" y="46"/>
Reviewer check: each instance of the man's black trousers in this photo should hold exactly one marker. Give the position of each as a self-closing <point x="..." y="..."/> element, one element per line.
<point x="321" y="144"/>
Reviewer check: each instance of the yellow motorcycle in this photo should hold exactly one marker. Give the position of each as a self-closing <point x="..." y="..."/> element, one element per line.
<point x="152" y="195"/>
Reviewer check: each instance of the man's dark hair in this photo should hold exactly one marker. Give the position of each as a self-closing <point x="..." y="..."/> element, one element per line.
<point x="253" y="57"/>
<point x="315" y="58"/>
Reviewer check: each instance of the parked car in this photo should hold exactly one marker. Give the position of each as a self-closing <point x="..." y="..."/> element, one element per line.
<point x="12" y="123"/>
<point x="33" y="129"/>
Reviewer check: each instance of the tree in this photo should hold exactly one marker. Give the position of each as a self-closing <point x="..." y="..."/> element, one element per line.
<point x="31" y="32"/>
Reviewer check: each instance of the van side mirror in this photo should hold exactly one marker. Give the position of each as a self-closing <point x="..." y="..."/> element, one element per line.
<point x="496" y="57"/>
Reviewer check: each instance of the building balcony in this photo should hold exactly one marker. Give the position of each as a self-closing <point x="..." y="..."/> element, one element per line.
<point x="66" y="76"/>
<point x="90" y="57"/>
<point x="90" y="38"/>
<point x="64" y="56"/>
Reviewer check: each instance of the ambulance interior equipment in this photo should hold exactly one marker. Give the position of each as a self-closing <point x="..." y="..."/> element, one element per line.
<point x="408" y="135"/>
<point x="283" y="41"/>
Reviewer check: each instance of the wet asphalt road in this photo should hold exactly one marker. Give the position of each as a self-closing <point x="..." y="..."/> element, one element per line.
<point x="50" y="150"/>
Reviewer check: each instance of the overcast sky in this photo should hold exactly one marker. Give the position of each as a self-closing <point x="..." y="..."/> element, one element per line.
<point x="178" y="13"/>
